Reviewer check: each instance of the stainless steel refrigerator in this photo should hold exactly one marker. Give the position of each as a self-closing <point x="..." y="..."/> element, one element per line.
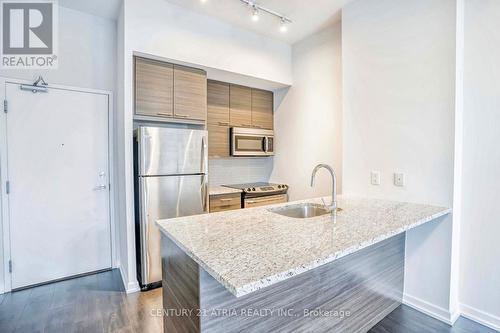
<point x="171" y="177"/>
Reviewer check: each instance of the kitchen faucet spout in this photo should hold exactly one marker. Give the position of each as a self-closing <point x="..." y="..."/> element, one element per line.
<point x="333" y="204"/>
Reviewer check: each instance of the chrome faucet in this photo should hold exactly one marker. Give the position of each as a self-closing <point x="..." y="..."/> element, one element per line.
<point x="333" y="204"/>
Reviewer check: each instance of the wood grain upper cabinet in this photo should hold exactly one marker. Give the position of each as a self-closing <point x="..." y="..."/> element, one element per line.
<point x="154" y="88"/>
<point x="218" y="118"/>
<point x="218" y="103"/>
<point x="240" y="102"/>
<point x="218" y="140"/>
<point x="262" y="109"/>
<point x="190" y="93"/>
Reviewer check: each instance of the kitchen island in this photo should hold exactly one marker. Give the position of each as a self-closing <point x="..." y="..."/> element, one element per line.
<point x="258" y="271"/>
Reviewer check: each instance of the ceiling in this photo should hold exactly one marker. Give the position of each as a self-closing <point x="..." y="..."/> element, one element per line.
<point x="308" y="16"/>
<point x="103" y="8"/>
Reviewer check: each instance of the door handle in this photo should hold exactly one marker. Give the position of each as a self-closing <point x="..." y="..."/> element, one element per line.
<point x="100" y="188"/>
<point x="203" y="162"/>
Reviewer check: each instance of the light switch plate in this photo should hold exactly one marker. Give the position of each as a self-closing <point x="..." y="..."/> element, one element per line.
<point x="375" y="178"/>
<point x="399" y="179"/>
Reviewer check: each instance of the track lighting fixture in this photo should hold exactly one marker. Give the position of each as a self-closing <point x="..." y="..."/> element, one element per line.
<point x="257" y="9"/>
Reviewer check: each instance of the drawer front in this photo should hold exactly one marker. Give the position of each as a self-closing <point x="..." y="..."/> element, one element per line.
<point x="265" y="201"/>
<point x="219" y="203"/>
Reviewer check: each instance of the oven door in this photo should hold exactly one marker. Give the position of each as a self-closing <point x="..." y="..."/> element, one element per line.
<point x="251" y="142"/>
<point x="265" y="201"/>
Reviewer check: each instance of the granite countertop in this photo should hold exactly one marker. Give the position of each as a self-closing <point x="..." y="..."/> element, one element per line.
<point x="219" y="190"/>
<point x="249" y="249"/>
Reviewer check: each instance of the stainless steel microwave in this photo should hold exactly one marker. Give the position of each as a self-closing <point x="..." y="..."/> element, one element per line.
<point x="251" y="142"/>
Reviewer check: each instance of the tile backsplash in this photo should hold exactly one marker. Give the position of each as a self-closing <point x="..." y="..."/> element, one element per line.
<point x="239" y="170"/>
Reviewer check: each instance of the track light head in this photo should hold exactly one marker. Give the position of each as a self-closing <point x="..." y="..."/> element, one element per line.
<point x="283" y="25"/>
<point x="255" y="13"/>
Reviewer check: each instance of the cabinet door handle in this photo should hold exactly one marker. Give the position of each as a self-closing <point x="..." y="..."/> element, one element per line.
<point x="257" y="126"/>
<point x="226" y="200"/>
<point x="163" y="114"/>
<point x="245" y="125"/>
<point x="223" y="124"/>
<point x="182" y="116"/>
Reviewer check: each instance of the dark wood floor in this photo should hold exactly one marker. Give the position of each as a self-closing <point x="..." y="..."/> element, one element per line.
<point x="97" y="303"/>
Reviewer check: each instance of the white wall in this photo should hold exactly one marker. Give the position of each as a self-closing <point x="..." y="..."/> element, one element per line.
<point x="163" y="29"/>
<point x="480" y="247"/>
<point x="399" y="104"/>
<point x="86" y="53"/>
<point x="86" y="60"/>
<point x="308" y="116"/>
<point x="124" y="237"/>
<point x="168" y="31"/>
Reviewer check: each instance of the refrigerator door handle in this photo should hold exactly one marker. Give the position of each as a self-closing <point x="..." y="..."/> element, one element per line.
<point x="203" y="156"/>
<point x="204" y="194"/>
<point x="144" y="232"/>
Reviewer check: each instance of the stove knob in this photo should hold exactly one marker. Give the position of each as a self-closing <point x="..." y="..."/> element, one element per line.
<point x="249" y="189"/>
<point x="253" y="189"/>
<point x="279" y="186"/>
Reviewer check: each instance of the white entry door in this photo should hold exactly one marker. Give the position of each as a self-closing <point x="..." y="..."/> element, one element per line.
<point x="57" y="157"/>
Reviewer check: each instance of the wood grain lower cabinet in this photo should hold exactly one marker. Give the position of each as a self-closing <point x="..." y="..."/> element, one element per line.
<point x="218" y="140"/>
<point x="240" y="103"/>
<point x="224" y="202"/>
<point x="190" y="93"/>
<point x="262" y="109"/>
<point x="154" y="88"/>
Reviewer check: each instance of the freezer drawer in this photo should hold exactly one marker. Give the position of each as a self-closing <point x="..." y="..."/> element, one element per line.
<point x="172" y="151"/>
<point x="162" y="198"/>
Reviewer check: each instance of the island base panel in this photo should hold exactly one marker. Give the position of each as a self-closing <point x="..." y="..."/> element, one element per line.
<point x="350" y="294"/>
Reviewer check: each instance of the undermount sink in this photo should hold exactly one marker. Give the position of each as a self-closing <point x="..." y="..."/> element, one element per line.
<point x="301" y="211"/>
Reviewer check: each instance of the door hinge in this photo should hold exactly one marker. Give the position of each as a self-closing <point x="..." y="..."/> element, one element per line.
<point x="7" y="187"/>
<point x="10" y="266"/>
<point x="5" y="106"/>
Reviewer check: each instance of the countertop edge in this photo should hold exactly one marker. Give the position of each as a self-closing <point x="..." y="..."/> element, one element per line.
<point x="273" y="279"/>
<point x="200" y="262"/>
<point x="222" y="190"/>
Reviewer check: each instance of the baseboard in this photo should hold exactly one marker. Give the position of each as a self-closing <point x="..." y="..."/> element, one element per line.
<point x="481" y="317"/>
<point x="130" y="286"/>
<point x="432" y="310"/>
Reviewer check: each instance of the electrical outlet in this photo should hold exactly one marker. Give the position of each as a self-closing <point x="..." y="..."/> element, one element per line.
<point x="375" y="178"/>
<point x="399" y="179"/>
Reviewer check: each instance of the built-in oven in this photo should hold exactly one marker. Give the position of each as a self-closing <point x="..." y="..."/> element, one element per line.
<point x="251" y="142"/>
